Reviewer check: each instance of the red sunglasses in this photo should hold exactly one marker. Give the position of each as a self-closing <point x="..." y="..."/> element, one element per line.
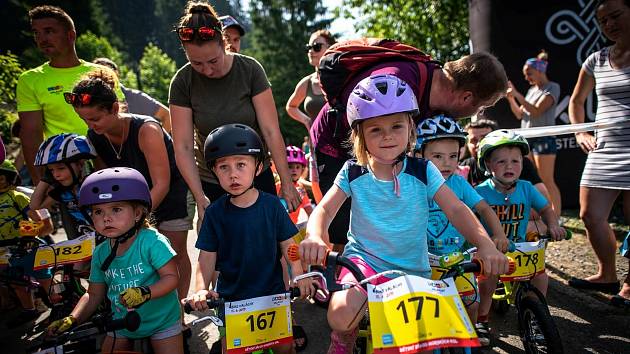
<point x="187" y="34"/>
<point x="78" y="99"/>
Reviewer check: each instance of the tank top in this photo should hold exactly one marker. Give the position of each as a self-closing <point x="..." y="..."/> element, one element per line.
<point x="173" y="205"/>
<point x="313" y="103"/>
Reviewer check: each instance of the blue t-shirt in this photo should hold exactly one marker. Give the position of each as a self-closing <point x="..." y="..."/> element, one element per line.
<point x="247" y="243"/>
<point x="138" y="266"/>
<point x="443" y="237"/>
<point x="386" y="231"/>
<point x="513" y="209"/>
<point x="77" y="225"/>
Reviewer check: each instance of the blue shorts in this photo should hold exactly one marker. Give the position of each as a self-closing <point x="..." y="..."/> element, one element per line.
<point x="545" y="145"/>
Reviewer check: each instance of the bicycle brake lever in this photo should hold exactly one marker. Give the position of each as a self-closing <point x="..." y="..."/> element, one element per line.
<point x="217" y="321"/>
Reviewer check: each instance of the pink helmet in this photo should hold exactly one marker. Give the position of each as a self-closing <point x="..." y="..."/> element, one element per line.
<point x="295" y="155"/>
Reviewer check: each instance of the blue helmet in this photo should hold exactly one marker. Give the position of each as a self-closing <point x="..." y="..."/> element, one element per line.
<point x="64" y="148"/>
<point x="439" y="127"/>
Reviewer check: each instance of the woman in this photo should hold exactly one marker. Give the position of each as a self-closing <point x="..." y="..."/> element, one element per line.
<point x="308" y="90"/>
<point x="538" y="109"/>
<point x="139" y="142"/>
<point x="606" y="174"/>
<point x="216" y="88"/>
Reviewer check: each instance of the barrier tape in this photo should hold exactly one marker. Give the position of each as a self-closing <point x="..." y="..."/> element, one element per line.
<point x="572" y="128"/>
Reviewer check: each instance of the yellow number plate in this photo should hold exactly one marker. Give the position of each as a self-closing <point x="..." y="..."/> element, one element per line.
<point x="529" y="258"/>
<point x="66" y="252"/>
<point x="410" y="314"/>
<point x="464" y="287"/>
<point x="258" y="323"/>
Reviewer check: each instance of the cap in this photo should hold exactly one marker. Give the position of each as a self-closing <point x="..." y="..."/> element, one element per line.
<point x="229" y="21"/>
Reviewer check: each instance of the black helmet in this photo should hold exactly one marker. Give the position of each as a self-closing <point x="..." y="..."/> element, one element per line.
<point x="232" y="139"/>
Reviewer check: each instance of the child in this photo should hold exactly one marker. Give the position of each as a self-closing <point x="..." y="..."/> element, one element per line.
<point x="501" y="153"/>
<point x="243" y="231"/>
<point x="390" y="201"/>
<point x="64" y="158"/>
<point x="297" y="165"/>
<point x="134" y="268"/>
<point x="13" y="209"/>
<point x="440" y="140"/>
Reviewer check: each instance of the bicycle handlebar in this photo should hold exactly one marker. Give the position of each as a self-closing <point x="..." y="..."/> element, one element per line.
<point x="214" y="303"/>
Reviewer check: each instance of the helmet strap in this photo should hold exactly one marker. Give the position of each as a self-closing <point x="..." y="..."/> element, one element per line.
<point x="120" y="239"/>
<point x="393" y="162"/>
<point x="504" y="186"/>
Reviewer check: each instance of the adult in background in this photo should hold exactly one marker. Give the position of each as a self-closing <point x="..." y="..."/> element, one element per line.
<point x="216" y="88"/>
<point x="40" y="102"/>
<point x="538" y="109"/>
<point x="139" y="102"/>
<point x="138" y="142"/>
<point x="308" y="90"/>
<point x="606" y="174"/>
<point x="232" y="33"/>
<point x="460" y="88"/>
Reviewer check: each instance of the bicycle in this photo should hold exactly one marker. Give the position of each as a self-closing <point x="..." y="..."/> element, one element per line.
<point x="365" y="343"/>
<point x="537" y="329"/>
<point x="83" y="338"/>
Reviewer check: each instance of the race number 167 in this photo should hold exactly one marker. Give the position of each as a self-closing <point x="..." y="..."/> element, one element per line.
<point x="262" y="321"/>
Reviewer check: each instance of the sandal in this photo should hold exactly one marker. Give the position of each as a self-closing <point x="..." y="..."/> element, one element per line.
<point x="299" y="334"/>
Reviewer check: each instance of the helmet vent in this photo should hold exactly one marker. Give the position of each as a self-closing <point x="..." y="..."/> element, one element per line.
<point x="400" y="91"/>
<point x="382" y="87"/>
<point x="95" y="190"/>
<point x="115" y="188"/>
<point x="365" y="97"/>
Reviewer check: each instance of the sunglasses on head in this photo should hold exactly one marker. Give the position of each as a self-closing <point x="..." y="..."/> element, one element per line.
<point x="316" y="47"/>
<point x="204" y="33"/>
<point x="78" y="99"/>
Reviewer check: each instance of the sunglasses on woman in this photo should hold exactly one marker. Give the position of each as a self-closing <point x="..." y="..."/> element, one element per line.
<point x="316" y="47"/>
<point x="204" y="33"/>
<point x="78" y="99"/>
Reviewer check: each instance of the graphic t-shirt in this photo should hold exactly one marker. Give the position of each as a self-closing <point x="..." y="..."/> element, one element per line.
<point x="513" y="209"/>
<point x="42" y="88"/>
<point x="13" y="208"/>
<point x="138" y="266"/>
<point x="443" y="237"/>
<point x="386" y="231"/>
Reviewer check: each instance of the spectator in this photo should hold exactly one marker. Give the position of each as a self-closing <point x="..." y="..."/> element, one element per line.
<point x="538" y="109"/>
<point x="40" y="103"/>
<point x="139" y="102"/>
<point x="232" y="33"/>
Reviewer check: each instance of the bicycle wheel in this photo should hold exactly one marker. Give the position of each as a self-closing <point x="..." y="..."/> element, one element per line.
<point x="538" y="331"/>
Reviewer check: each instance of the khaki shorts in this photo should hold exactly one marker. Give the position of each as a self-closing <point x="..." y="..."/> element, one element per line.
<point x="181" y="224"/>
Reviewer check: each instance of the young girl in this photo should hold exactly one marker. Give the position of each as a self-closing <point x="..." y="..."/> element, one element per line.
<point x="297" y="165"/>
<point x="390" y="196"/>
<point x="134" y="268"/>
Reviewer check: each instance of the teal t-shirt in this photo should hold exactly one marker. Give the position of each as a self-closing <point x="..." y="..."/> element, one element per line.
<point x="443" y="237"/>
<point x="513" y="209"/>
<point x="138" y="266"/>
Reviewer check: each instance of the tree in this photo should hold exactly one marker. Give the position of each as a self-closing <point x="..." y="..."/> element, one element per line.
<point x="10" y="70"/>
<point x="439" y="27"/>
<point x="156" y="71"/>
<point x="90" y="46"/>
<point x="280" y="29"/>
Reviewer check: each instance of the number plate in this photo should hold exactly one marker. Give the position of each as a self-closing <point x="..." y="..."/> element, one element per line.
<point x="464" y="287"/>
<point x="411" y="314"/>
<point x="66" y="252"/>
<point x="258" y="323"/>
<point x="529" y="258"/>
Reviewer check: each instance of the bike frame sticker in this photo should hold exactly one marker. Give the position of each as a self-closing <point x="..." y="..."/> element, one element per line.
<point x="258" y="323"/>
<point x="410" y="314"/>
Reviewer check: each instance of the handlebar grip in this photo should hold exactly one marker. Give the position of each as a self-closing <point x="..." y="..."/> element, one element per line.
<point x="294" y="292"/>
<point x="479" y="271"/>
<point x="212" y="303"/>
<point x="130" y="322"/>
<point x="569" y="234"/>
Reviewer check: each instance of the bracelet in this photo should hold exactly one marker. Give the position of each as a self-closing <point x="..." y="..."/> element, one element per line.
<point x="44" y="214"/>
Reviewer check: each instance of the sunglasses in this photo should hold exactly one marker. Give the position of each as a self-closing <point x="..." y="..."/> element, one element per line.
<point x="78" y="99"/>
<point x="316" y="47"/>
<point x="187" y="34"/>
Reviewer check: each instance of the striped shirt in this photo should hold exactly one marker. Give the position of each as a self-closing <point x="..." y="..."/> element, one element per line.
<point x="608" y="166"/>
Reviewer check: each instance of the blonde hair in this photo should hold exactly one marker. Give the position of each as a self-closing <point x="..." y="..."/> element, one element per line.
<point x="359" y="148"/>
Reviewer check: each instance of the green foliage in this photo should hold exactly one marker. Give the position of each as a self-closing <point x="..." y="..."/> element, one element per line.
<point x="280" y="29"/>
<point x="8" y="116"/>
<point x="90" y="46"/>
<point x="438" y="27"/>
<point x="10" y="70"/>
<point x="156" y="71"/>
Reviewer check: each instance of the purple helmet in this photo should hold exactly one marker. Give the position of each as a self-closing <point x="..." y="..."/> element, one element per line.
<point x="380" y="95"/>
<point x="114" y="185"/>
<point x="295" y="155"/>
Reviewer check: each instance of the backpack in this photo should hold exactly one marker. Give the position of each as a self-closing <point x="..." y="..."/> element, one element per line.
<point x="343" y="60"/>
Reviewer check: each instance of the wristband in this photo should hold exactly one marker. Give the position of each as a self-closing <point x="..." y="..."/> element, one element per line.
<point x="44" y="214"/>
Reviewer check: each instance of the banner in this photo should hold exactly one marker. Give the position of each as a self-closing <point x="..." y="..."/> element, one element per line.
<point x="517" y="30"/>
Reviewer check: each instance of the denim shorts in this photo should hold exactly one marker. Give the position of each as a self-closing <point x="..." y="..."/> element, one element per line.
<point x="545" y="145"/>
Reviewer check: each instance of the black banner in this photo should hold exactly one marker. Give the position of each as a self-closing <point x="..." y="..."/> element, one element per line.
<point x="517" y="30"/>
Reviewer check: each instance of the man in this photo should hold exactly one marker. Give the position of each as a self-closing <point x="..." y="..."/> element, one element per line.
<point x="232" y="32"/>
<point x="41" y="107"/>
<point x="139" y="102"/>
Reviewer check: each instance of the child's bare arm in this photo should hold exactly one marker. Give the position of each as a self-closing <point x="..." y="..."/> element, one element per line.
<point x="40" y="198"/>
<point x="138" y="295"/>
<point x="490" y="218"/>
<point x="551" y="220"/>
<point x="313" y="248"/>
<point x="306" y="287"/>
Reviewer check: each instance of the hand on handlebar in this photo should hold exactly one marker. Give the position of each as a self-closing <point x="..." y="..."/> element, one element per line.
<point x="556" y="232"/>
<point x="494" y="262"/>
<point x="62" y="325"/>
<point x="306" y="286"/>
<point x="313" y="250"/>
<point x="502" y="243"/>
<point x="198" y="300"/>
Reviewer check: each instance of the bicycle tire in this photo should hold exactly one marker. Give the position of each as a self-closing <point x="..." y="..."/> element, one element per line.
<point x="500" y="307"/>
<point x="530" y="332"/>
